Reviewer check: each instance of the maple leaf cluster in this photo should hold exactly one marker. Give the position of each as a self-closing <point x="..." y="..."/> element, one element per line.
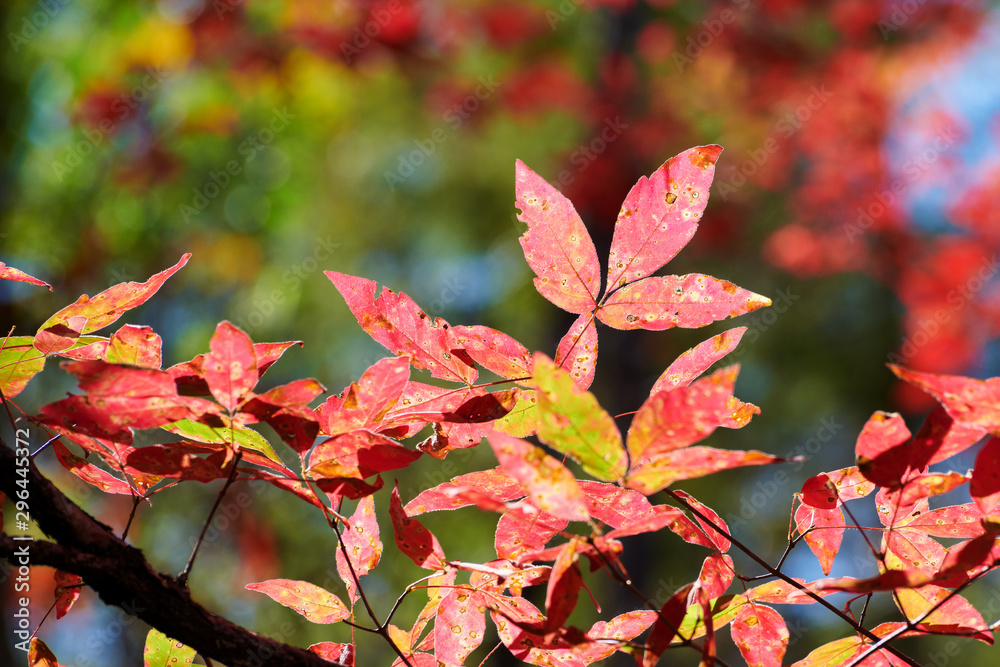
<point x="581" y="470"/>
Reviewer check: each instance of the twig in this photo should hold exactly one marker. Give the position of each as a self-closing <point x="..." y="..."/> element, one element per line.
<point x="183" y="576"/>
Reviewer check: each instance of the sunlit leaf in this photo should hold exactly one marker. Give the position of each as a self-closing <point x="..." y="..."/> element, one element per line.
<point x="571" y="421"/>
<point x="550" y="485"/>
<point x="162" y="651"/>
<point x="10" y="273"/>
<point x="415" y="541"/>
<point x="761" y="635"/>
<point x="556" y="244"/>
<point x="314" y="603"/>
<point x="361" y="542"/>
<point x="577" y="351"/>
<point x="460" y="626"/>
<point x="689" y="301"/>
<point x="68" y="589"/>
<point x="691" y="364"/>
<point x="86" y="315"/>
<point x="660" y="215"/>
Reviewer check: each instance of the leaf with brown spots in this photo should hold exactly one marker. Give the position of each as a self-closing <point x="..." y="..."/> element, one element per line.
<point x="162" y="651"/>
<point x="571" y="421"/>
<point x="670" y="420"/>
<point x="495" y="482"/>
<point x="550" y="485"/>
<point x="361" y="541"/>
<point x="135" y="346"/>
<point x="19" y="362"/>
<point x="314" y="603"/>
<point x="660" y="215"/>
<point x="230" y="368"/>
<point x="691" y="364"/>
<point x="761" y="635"/>
<point x="494" y="351"/>
<point x="577" y="351"/>
<point x="985" y="486"/>
<point x="17" y="275"/>
<point x="460" y="626"/>
<point x="60" y="331"/>
<point x="689" y="301"/>
<point x="89" y="473"/>
<point x="396" y="322"/>
<point x="40" y="655"/>
<point x="365" y="403"/>
<point x="663" y="470"/>
<point x="68" y="589"/>
<point x="823" y="530"/>
<point x="520" y="532"/>
<point x="556" y="244"/>
<point x="415" y="541"/>
<point x="969" y="401"/>
<point x="358" y="455"/>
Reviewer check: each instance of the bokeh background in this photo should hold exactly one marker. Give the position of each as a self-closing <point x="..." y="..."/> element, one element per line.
<point x="859" y="189"/>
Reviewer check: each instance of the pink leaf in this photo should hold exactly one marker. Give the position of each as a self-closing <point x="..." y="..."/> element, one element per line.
<point x="985" y="486"/>
<point x="342" y="653"/>
<point x="688" y="301"/>
<point x="90" y="314"/>
<point x="460" y="625"/>
<point x="613" y="505"/>
<point x="687" y="367"/>
<point x="397" y="323"/>
<point x="362" y="544"/>
<point x="716" y="574"/>
<point x="577" y="351"/>
<point x="550" y="485"/>
<point x="495" y="482"/>
<point x="358" y="455"/>
<point x="68" y="589"/>
<point x="314" y="603"/>
<point x="519" y="533"/>
<point x="415" y="541"/>
<point x="556" y="244"/>
<point x="90" y="473"/>
<point x="10" y="273"/>
<point x="761" y="635"/>
<point x="675" y="419"/>
<point x="972" y="402"/>
<point x="230" y="369"/>
<point x="494" y="351"/>
<point x="662" y="471"/>
<point x="718" y="539"/>
<point x="823" y="530"/>
<point x="365" y="403"/>
<point x="565" y="582"/>
<point x="660" y="215"/>
<point x="135" y="346"/>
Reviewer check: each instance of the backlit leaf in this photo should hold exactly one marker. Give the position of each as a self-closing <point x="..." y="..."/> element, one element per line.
<point x="495" y="482"/>
<point x="519" y="533"/>
<point x="823" y="530"/>
<point x="230" y="368"/>
<point x="90" y="314"/>
<point x="396" y="322"/>
<point x="336" y="652"/>
<point x="718" y="539"/>
<point x="662" y="471"/>
<point x="415" y="541"/>
<point x="613" y="505"/>
<point x="19" y="362"/>
<point x="671" y="420"/>
<point x="90" y="473"/>
<point x="17" y="275"/>
<point x="550" y="485"/>
<point x="162" y="651"/>
<point x="362" y="544"/>
<point x="660" y="215"/>
<point x="955" y="615"/>
<point x="494" y="351"/>
<point x="835" y="653"/>
<point x="973" y="402"/>
<point x="688" y="301"/>
<point x="716" y="574"/>
<point x="39" y="655"/>
<point x="691" y="364"/>
<point x="985" y="486"/>
<point x="314" y="603"/>
<point x="577" y="351"/>
<point x="460" y="626"/>
<point x="365" y="403"/>
<point x="135" y="346"/>
<point x="565" y="582"/>
<point x="954" y="521"/>
<point x="571" y="421"/>
<point x="358" y="455"/>
<point x="556" y="244"/>
<point x="761" y="635"/>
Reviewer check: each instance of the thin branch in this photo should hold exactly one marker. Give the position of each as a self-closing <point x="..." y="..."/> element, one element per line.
<point x="183" y="576"/>
<point x="784" y="577"/>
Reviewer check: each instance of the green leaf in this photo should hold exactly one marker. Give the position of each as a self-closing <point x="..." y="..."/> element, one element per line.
<point x="162" y="651"/>
<point x="571" y="421"/>
<point x="244" y="437"/>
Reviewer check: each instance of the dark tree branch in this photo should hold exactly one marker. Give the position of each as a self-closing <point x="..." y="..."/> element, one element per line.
<point x="122" y="577"/>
